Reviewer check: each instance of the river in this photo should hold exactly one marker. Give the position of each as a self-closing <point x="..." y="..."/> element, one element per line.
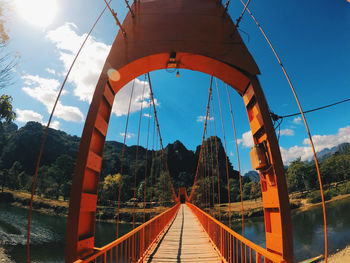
<point x="49" y="232"/>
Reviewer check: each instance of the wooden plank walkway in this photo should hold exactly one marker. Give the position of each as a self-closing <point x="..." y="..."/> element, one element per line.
<point x="184" y="241"/>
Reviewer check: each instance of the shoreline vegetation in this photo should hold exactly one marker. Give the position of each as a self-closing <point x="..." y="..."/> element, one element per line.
<point x="252" y="208"/>
<point x="299" y="202"/>
<point x="4" y="257"/>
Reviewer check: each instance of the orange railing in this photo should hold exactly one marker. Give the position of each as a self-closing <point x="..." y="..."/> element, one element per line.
<point x="231" y="246"/>
<point x="133" y="246"/>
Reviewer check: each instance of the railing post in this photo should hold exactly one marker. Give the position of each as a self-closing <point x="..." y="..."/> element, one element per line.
<point x="221" y="246"/>
<point x="143" y="241"/>
<point x="258" y="258"/>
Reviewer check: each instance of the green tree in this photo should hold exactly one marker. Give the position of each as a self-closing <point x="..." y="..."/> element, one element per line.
<point x="335" y="169"/>
<point x="247" y="188"/>
<point x="6" y="112"/>
<point x="140" y="191"/>
<point x="255" y="191"/>
<point x="64" y="165"/>
<point x="110" y="186"/>
<point x="163" y="188"/>
<point x="42" y="182"/>
<point x="296" y="175"/>
<point x="13" y="173"/>
<point x="4" y="178"/>
<point x="22" y="179"/>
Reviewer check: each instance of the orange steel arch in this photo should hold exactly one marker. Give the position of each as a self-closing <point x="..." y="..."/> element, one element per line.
<point x="190" y="34"/>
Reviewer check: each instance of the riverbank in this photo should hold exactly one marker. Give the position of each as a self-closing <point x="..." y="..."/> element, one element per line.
<point x="3" y="257"/>
<point x="60" y="207"/>
<point x="252" y="208"/>
<point x="341" y="256"/>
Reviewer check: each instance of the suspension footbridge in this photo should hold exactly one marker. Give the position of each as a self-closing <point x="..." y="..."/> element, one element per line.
<point x="197" y="35"/>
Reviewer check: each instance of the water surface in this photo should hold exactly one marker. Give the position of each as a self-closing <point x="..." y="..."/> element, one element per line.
<point x="48" y="232"/>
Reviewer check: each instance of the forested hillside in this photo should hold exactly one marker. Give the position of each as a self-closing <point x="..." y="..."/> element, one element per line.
<point x="19" y="150"/>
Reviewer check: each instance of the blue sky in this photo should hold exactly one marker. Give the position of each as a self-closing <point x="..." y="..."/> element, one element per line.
<point x="312" y="39"/>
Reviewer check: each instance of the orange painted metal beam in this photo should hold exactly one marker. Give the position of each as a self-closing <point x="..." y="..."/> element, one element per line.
<point x="189" y="34"/>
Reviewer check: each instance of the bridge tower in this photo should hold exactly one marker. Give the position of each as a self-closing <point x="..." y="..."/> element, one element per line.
<point x="189" y="34"/>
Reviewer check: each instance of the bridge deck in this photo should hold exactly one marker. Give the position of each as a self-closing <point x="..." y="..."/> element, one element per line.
<point x="184" y="241"/>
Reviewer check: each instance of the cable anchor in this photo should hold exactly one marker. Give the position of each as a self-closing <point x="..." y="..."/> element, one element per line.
<point x="128" y="6"/>
<point x="114" y="14"/>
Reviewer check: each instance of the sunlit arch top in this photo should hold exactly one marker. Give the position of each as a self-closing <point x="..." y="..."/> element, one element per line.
<point x="202" y="35"/>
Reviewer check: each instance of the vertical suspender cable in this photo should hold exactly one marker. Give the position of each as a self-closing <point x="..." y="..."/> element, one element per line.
<point x="123" y="153"/>
<point x="201" y="149"/>
<point x="46" y="132"/>
<point x="307" y="129"/>
<point x="212" y="165"/>
<point x="205" y="174"/>
<point x="239" y="163"/>
<point x="146" y="165"/>
<point x="217" y="158"/>
<point x="227" y="172"/>
<point x="160" y="138"/>
<point x="207" y="181"/>
<point x="137" y="153"/>
<point x="152" y="165"/>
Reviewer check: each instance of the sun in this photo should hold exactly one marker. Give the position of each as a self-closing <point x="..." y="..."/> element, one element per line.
<point x="38" y="12"/>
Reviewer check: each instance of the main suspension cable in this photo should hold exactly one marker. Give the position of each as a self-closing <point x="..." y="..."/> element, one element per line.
<point x="47" y="130"/>
<point x="276" y="117"/>
<point x="306" y="126"/>
<point x="239" y="163"/>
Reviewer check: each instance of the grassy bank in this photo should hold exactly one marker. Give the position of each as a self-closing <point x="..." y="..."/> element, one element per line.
<point x="3" y="257"/>
<point x="300" y="201"/>
<point x="60" y="207"/>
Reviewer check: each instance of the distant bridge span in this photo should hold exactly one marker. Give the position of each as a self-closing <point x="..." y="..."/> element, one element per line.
<point x="196" y="35"/>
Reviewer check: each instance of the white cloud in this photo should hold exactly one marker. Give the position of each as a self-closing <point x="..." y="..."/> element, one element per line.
<point x="297" y="120"/>
<point x="320" y="141"/>
<point x="88" y="67"/>
<point x="54" y="125"/>
<point x="287" y="132"/>
<point x="46" y="90"/>
<point x="51" y="71"/>
<point x="89" y="64"/>
<point x="147" y="115"/>
<point x="247" y="139"/>
<point x="128" y="135"/>
<point x="121" y="102"/>
<point x="231" y="154"/>
<point x="202" y="118"/>
<point x="29" y="115"/>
